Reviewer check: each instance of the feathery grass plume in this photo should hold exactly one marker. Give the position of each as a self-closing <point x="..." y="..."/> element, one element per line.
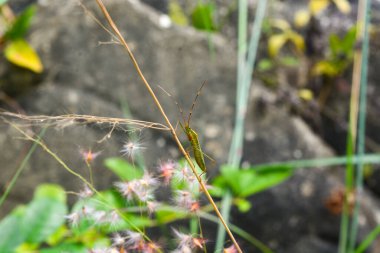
<point x="131" y="148"/>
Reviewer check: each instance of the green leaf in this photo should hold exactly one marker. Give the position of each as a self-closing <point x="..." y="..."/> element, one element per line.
<point x="266" y="179"/>
<point x="245" y="182"/>
<point x="45" y="214"/>
<point x="11" y="233"/>
<point x="57" y="236"/>
<point x="202" y="17"/>
<point x="66" y="247"/>
<point x="21" y="25"/>
<point x="3" y="2"/>
<point x="123" y="169"/>
<point x="368" y="240"/>
<point x="335" y="44"/>
<point x="20" y="53"/>
<point x="243" y="204"/>
<point x="348" y="42"/>
<point x="265" y="64"/>
<point x="165" y="216"/>
<point x="289" y="61"/>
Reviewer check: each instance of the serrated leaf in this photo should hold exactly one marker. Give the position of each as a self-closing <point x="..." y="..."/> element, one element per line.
<point x="45" y="214"/>
<point x="123" y="169"/>
<point x="21" y="24"/>
<point x="275" y="43"/>
<point x="11" y="233"/>
<point x="20" y="53"/>
<point x="301" y="18"/>
<point x="316" y="6"/>
<point x="343" y="5"/>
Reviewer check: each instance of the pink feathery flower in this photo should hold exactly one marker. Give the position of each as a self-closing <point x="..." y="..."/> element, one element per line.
<point x="167" y="170"/>
<point x="184" y="199"/>
<point x="186" y="242"/>
<point x="231" y="249"/>
<point x="88" y="156"/>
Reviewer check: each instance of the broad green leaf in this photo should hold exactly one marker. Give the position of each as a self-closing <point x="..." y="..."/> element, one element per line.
<point x="11" y="233"/>
<point x="264" y="180"/>
<point x="343" y="5"/>
<point x="21" y="24"/>
<point x="245" y="182"/>
<point x="45" y="214"/>
<point x="316" y="6"/>
<point x="202" y="17"/>
<point x="176" y="13"/>
<point x="20" y="53"/>
<point x="275" y="43"/>
<point x="123" y="169"/>
<point x="66" y="247"/>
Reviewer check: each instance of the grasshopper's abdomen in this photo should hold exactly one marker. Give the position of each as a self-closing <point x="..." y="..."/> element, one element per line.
<point x="198" y="154"/>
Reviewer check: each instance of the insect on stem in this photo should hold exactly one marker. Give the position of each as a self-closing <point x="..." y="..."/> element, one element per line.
<point x="192" y="136"/>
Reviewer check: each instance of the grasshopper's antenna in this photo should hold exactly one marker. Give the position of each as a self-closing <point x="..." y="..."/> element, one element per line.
<point x="179" y="107"/>
<point x="195" y="100"/>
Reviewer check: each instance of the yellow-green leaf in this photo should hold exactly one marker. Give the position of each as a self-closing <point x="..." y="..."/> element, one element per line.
<point x="280" y="24"/>
<point x="343" y="5"/>
<point x="301" y="18"/>
<point x="176" y="13"/>
<point x="324" y="68"/>
<point x="297" y="40"/>
<point x="316" y="6"/>
<point x="305" y="94"/>
<point x="275" y="43"/>
<point x="20" y="53"/>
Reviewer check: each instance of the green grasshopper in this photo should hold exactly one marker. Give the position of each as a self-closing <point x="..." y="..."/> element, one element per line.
<point x="192" y="136"/>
